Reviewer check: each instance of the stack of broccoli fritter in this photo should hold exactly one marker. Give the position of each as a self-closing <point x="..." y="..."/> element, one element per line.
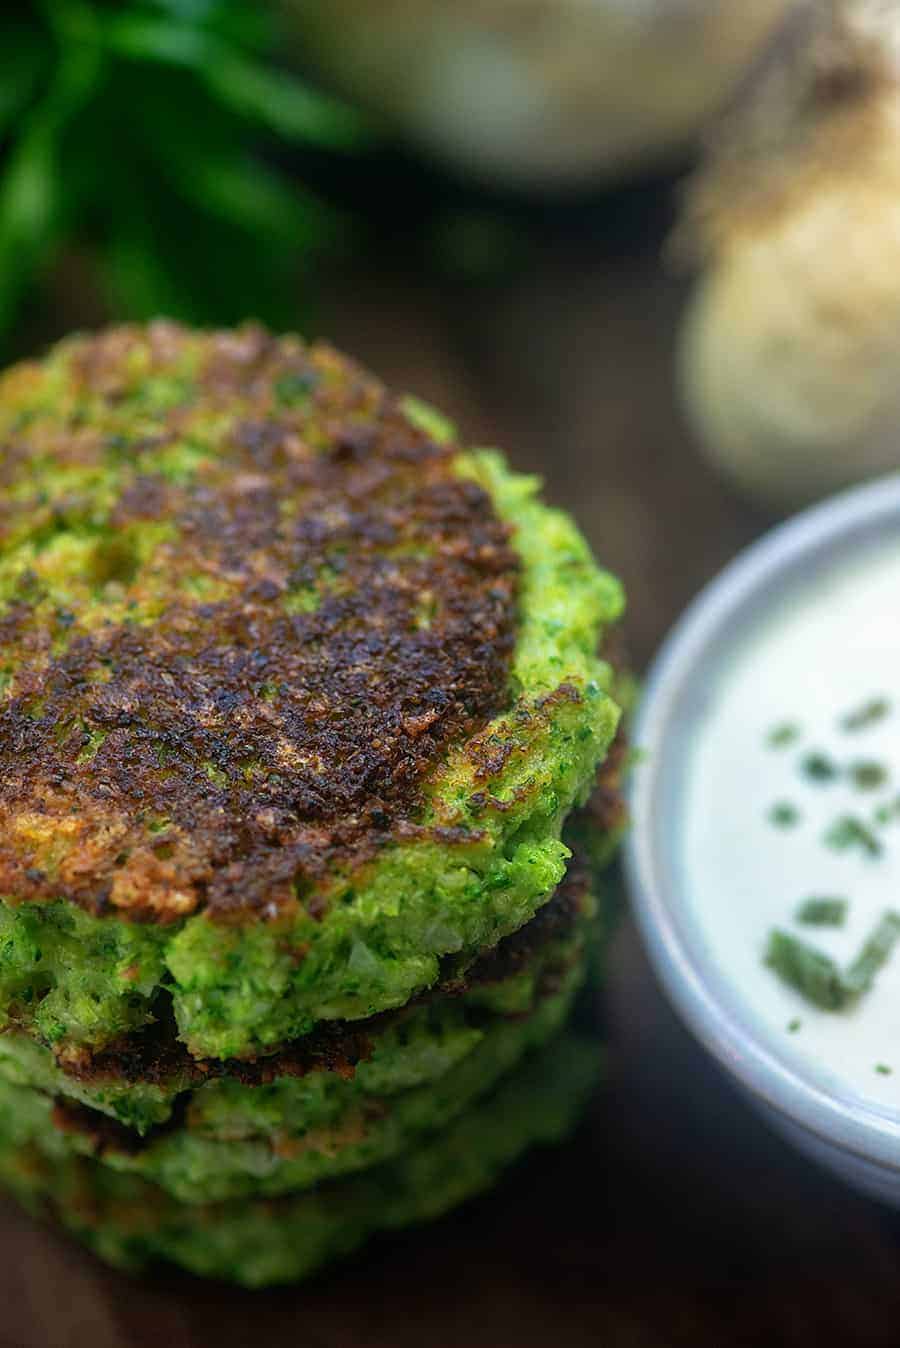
<point x="296" y="700"/>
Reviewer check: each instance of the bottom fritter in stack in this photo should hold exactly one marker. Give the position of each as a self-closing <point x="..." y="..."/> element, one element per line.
<point x="301" y="704"/>
<point x="261" y="1172"/>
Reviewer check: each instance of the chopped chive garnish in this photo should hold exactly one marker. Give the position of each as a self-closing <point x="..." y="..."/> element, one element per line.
<point x="818" y="978"/>
<point x="868" y="775"/>
<point x="822" y="912"/>
<point x="794" y="1025"/>
<point x="849" y="831"/>
<point x="888" y="812"/>
<point x="818" y="768"/>
<point x="883" y="1070"/>
<point x="780" y="736"/>
<point x="807" y="970"/>
<point x="783" y="814"/>
<point x="860" y="975"/>
<point x="874" y="710"/>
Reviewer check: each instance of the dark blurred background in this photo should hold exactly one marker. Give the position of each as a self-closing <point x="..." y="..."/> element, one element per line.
<point x="543" y="321"/>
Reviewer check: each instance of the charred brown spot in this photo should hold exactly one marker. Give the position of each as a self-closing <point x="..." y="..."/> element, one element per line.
<point x="274" y="718"/>
<point x="101" y="1133"/>
<point x="606" y="809"/>
<point x="157" y="1057"/>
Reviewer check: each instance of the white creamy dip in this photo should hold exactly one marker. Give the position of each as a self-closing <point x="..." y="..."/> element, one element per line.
<point x="819" y="649"/>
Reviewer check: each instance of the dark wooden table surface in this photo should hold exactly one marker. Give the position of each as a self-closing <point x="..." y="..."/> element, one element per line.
<point x="674" y="1217"/>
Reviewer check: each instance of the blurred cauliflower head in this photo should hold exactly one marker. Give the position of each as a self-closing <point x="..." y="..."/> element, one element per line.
<point x="790" y="351"/>
<point x="539" y="92"/>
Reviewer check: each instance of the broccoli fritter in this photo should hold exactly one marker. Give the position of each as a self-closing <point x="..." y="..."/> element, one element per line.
<point x="295" y="692"/>
<point x="258" y="1242"/>
<point x="231" y="1143"/>
<point x="149" y="1083"/>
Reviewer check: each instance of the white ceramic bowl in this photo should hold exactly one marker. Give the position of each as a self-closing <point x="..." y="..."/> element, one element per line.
<point x="858" y="1141"/>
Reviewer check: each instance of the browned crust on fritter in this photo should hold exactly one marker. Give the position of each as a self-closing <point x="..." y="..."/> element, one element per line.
<point x="606" y="810"/>
<point x="275" y="745"/>
<point x="104" y="1135"/>
<point x="101" y="1133"/>
<point x="156" y="1056"/>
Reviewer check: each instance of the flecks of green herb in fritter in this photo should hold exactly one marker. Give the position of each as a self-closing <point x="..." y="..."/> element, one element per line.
<point x="868" y="775"/>
<point x="883" y="1070"/>
<point x="820" y="911"/>
<point x="860" y="975"/>
<point x="850" y="831"/>
<point x="780" y="736"/>
<point x="868" y="714"/>
<point x="784" y="815"/>
<point x="818" y="767"/>
<point x="295" y="387"/>
<point x="814" y="975"/>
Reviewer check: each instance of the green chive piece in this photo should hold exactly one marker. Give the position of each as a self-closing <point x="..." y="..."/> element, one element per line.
<point x="817" y="977"/>
<point x="822" y="912"/>
<point x="883" y="1070"/>
<point x="780" y="736"/>
<point x="888" y="812"/>
<point x="794" y="1025"/>
<point x="860" y="975"/>
<point x="868" y="775"/>
<point x="849" y="831"/>
<point x="818" y="767"/>
<point x="814" y="975"/>
<point x="784" y="815"/>
<point x="868" y="714"/>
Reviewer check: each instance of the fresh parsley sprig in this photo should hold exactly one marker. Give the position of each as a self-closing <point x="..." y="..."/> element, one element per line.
<point x="146" y="135"/>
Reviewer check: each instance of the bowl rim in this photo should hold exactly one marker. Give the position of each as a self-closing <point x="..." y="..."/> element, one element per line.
<point x="852" y="1125"/>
